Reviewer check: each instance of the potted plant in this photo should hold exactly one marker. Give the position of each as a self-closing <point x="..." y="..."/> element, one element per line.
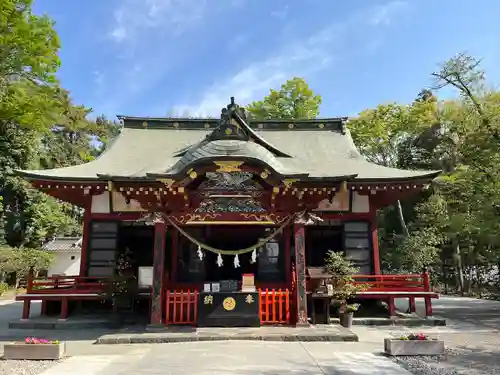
<point x="347" y="315"/>
<point x="413" y="344"/>
<point x="34" y="349"/>
<point x="122" y="288"/>
<point x="342" y="270"/>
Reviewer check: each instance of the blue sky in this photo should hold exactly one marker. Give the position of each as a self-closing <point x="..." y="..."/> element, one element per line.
<point x="174" y="57"/>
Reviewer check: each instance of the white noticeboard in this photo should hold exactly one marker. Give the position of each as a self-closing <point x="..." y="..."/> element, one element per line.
<point x="145" y="276"/>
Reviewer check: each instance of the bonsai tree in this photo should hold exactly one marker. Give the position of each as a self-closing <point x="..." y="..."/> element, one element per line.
<point x="342" y="270"/>
<point x="122" y="287"/>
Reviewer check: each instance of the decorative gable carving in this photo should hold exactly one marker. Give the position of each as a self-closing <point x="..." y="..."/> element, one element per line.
<point x="229" y="181"/>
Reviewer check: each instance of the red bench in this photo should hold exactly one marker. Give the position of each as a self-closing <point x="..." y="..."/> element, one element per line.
<point x="390" y="287"/>
<point x="61" y="288"/>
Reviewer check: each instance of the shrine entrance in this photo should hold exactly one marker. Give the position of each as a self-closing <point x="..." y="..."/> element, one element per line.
<point x="231" y="252"/>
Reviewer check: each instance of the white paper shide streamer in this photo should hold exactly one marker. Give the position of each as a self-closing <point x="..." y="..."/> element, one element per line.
<point x="200" y="253"/>
<point x="219" y="260"/>
<point x="236" y="261"/>
<point x="253" y="259"/>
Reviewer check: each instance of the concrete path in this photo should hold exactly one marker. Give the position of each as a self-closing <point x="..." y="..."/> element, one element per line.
<point x="468" y="312"/>
<point x="235" y="358"/>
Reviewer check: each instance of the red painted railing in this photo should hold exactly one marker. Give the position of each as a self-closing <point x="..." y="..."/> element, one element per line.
<point x="181" y="307"/>
<point x="68" y="284"/>
<point x="274" y="306"/>
<point x="394" y="283"/>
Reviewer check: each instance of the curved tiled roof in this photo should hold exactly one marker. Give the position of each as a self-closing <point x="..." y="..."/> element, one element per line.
<point x="146" y="147"/>
<point x="317" y="153"/>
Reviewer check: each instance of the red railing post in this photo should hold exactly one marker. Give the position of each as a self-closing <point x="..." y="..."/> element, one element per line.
<point x="195" y="307"/>
<point x="280" y="305"/>
<point x="426" y="281"/>
<point x="29" y="286"/>
<point x="273" y="301"/>
<point x="167" y="308"/>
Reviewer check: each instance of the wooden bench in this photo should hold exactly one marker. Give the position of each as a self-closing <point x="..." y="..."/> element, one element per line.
<point x="27" y="298"/>
<point x="390" y="287"/>
<point x="60" y="288"/>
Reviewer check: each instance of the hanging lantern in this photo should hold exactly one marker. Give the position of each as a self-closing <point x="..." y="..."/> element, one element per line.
<point x="236" y="261"/>
<point x="219" y="260"/>
<point x="253" y="259"/>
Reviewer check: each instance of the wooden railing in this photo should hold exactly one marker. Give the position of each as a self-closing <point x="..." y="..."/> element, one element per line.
<point x="68" y="284"/>
<point x="394" y="283"/>
<point x="274" y="306"/>
<point x="181" y="307"/>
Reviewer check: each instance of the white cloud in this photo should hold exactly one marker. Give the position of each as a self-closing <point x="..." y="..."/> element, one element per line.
<point x="300" y="58"/>
<point x="282" y="13"/>
<point x="255" y="80"/>
<point x="134" y="17"/>
<point x="384" y="14"/>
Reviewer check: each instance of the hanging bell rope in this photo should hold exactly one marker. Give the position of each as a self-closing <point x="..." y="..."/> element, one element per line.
<point x="230" y="252"/>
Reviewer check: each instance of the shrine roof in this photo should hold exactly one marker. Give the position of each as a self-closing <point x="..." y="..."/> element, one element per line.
<point x="149" y="148"/>
<point x="73" y="244"/>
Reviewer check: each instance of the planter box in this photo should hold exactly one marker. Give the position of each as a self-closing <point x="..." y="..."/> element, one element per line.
<point x="20" y="351"/>
<point x="413" y="347"/>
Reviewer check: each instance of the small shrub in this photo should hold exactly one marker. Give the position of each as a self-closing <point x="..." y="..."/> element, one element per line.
<point x="342" y="270"/>
<point x="4" y="287"/>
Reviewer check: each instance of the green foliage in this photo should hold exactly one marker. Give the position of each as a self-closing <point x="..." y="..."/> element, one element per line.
<point x="295" y="100"/>
<point x="342" y="270"/>
<point x="29" y="43"/>
<point x="4" y="288"/>
<point x="454" y="225"/>
<point x="40" y="127"/>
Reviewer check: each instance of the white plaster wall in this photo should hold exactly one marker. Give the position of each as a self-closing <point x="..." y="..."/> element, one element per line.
<point x="360" y="203"/>
<point x="100" y="203"/>
<point x="120" y="204"/>
<point x="64" y="265"/>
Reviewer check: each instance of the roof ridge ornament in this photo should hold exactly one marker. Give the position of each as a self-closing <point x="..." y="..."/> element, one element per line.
<point x="229" y="127"/>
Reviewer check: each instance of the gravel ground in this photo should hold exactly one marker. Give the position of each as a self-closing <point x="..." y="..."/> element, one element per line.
<point x="458" y="361"/>
<point x="24" y="367"/>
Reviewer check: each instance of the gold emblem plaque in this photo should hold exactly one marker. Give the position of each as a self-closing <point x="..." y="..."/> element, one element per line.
<point x="229" y="304"/>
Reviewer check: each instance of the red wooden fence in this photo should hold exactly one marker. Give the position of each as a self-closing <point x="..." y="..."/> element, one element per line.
<point x="274" y="306"/>
<point x="181" y="307"/>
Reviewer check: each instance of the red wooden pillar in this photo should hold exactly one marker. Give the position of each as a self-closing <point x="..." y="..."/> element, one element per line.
<point x="64" y="309"/>
<point x="300" y="272"/>
<point x="374" y="231"/>
<point x="174" y="256"/>
<point x="158" y="272"/>
<point x="85" y="237"/>
<point x="427" y="288"/>
<point x="288" y="257"/>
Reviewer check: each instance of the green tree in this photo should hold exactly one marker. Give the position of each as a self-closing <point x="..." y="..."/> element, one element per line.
<point x="294" y="100"/>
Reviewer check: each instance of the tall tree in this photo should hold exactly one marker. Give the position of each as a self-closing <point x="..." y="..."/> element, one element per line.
<point x="294" y="100"/>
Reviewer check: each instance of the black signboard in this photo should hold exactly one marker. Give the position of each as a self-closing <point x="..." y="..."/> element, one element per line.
<point x="228" y="309"/>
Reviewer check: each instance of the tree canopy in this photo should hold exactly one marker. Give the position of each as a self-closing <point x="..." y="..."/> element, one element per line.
<point x="294" y="100"/>
<point x="40" y="127"/>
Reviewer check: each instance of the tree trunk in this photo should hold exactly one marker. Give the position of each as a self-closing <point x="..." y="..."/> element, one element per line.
<point x="470" y="275"/>
<point x="401" y="218"/>
<point x="479" y="281"/>
<point x="458" y="265"/>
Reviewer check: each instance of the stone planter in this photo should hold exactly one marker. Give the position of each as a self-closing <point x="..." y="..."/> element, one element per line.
<point x="346" y="319"/>
<point x="21" y="351"/>
<point x="413" y="347"/>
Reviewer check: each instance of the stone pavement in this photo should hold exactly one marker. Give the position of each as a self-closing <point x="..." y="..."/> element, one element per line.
<point x="235" y="358"/>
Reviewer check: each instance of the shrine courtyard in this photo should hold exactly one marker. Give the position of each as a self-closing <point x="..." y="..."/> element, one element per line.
<point x="471" y="336"/>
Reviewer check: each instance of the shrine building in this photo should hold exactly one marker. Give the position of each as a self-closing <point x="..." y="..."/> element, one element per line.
<point x="200" y="204"/>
